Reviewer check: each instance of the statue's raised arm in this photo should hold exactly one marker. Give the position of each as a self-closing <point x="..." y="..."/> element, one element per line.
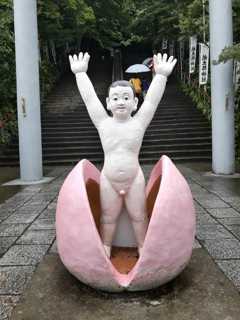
<point x="80" y="63"/>
<point x="163" y="68"/>
<point x="79" y="66"/>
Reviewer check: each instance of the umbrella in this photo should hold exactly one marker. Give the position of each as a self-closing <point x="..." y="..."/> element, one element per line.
<point x="147" y="61"/>
<point x="136" y="68"/>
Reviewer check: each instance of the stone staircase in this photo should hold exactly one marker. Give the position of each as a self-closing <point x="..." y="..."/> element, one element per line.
<point x="177" y="130"/>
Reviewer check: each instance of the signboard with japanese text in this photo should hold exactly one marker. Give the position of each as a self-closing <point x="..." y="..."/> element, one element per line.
<point x="237" y="74"/>
<point x="171" y="48"/>
<point x="164" y="44"/>
<point x="45" y="49"/>
<point x="236" y="81"/>
<point x="192" y="53"/>
<point x="39" y="51"/>
<point x="203" y="63"/>
<point x="181" y="53"/>
<point x="67" y="49"/>
<point x="53" y="51"/>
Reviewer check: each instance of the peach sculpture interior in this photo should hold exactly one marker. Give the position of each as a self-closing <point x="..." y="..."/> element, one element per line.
<point x="168" y="243"/>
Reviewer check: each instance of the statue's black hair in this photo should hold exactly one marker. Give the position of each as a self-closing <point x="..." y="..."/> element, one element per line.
<point x="122" y="83"/>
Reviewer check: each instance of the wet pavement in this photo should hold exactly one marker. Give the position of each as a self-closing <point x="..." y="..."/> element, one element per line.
<point x="34" y="281"/>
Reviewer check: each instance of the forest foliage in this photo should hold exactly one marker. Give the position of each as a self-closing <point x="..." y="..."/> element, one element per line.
<point x="109" y="24"/>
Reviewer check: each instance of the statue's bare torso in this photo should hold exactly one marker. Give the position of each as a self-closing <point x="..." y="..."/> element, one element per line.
<point x="121" y="149"/>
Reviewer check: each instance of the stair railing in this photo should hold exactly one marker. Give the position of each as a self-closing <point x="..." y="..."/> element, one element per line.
<point x="5" y="121"/>
<point x="117" y="67"/>
<point x="185" y="78"/>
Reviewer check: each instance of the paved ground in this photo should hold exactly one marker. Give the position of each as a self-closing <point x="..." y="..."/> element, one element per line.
<point x="33" y="279"/>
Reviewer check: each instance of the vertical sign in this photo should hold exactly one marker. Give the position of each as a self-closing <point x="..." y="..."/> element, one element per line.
<point x="171" y="48"/>
<point x="164" y="44"/>
<point x="192" y="53"/>
<point x="67" y="49"/>
<point x="203" y="63"/>
<point x="237" y="74"/>
<point x="53" y="51"/>
<point x="237" y="83"/>
<point x="39" y="51"/>
<point x="181" y="47"/>
<point x="45" y="50"/>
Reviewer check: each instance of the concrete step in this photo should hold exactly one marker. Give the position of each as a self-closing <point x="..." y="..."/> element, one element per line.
<point x="80" y="148"/>
<point x="98" y="157"/>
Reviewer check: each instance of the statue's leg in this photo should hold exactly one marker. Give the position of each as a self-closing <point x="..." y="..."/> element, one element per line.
<point x="136" y="205"/>
<point x="111" y="205"/>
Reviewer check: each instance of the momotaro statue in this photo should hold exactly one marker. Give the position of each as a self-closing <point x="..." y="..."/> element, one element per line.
<point x="121" y="136"/>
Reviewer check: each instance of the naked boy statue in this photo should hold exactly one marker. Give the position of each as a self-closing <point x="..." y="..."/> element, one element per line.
<point x="121" y="136"/>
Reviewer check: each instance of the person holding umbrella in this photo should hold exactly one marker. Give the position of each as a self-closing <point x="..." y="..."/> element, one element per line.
<point x="137" y="85"/>
<point x="121" y="178"/>
<point x="152" y="68"/>
<point x="145" y="86"/>
<point x="137" y="68"/>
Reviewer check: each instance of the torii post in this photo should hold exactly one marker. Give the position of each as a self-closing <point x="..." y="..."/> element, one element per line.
<point x="223" y="142"/>
<point x="28" y="95"/>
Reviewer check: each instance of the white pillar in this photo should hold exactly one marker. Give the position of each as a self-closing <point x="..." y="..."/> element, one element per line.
<point x="29" y="124"/>
<point x="223" y="149"/>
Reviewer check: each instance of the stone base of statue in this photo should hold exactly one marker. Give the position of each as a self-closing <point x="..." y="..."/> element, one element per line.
<point x="168" y="244"/>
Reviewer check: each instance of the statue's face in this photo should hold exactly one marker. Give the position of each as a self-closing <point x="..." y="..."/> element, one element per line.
<point x="121" y="101"/>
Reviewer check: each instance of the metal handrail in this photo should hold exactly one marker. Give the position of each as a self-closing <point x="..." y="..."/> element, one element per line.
<point x="6" y="120"/>
<point x="206" y="96"/>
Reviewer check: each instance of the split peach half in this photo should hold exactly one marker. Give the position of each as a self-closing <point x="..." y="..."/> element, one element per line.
<point x="169" y="240"/>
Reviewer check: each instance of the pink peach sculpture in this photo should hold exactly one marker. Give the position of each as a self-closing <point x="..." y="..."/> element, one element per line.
<point x="91" y="204"/>
<point x="169" y="239"/>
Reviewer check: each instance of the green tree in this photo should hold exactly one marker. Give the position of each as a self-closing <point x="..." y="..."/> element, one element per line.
<point x="232" y="52"/>
<point x="72" y="20"/>
<point x="227" y="53"/>
<point x="7" y="70"/>
<point x="63" y="20"/>
<point x="172" y="20"/>
<point x="110" y="17"/>
<point x="191" y="20"/>
<point x="7" y="58"/>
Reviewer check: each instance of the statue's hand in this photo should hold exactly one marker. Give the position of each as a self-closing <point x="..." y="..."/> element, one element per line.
<point x="80" y="63"/>
<point x="162" y="65"/>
